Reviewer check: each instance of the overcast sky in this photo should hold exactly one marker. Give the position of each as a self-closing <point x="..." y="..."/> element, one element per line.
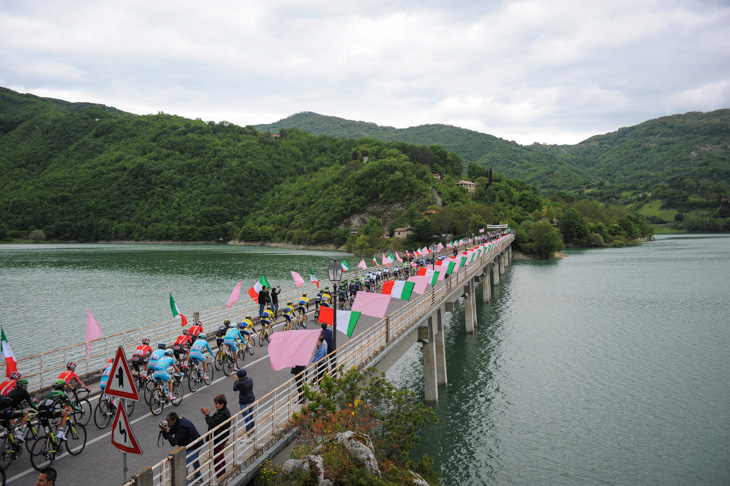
<point x="529" y="71"/>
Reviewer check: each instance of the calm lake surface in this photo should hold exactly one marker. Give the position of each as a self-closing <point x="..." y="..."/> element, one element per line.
<point x="606" y="367"/>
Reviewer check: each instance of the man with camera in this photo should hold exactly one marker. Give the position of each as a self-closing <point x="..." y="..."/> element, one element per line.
<point x="180" y="431"/>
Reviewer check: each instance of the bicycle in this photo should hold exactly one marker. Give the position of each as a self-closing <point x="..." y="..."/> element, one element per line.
<point x="301" y="321"/>
<point x="106" y="409"/>
<point x="265" y="333"/>
<point x="227" y="360"/>
<point x="47" y="448"/>
<point x="246" y="347"/>
<point x="196" y="376"/>
<point x="82" y="416"/>
<point x="10" y="447"/>
<point x="160" y="397"/>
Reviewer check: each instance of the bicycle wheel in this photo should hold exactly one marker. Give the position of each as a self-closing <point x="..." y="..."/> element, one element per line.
<point x="177" y="392"/>
<point x="6" y="452"/>
<point x="227" y="365"/>
<point x="83" y="416"/>
<point x="103" y="413"/>
<point x="2" y="476"/>
<point x="241" y="352"/>
<point x="267" y="336"/>
<point x="75" y="439"/>
<point x="130" y="407"/>
<point x="148" y="389"/>
<point x="250" y="350"/>
<point x="211" y="372"/>
<point x="194" y="380"/>
<point x="34" y="431"/>
<point x="262" y="336"/>
<point x="157" y="402"/>
<point x="218" y="360"/>
<point x="43" y="453"/>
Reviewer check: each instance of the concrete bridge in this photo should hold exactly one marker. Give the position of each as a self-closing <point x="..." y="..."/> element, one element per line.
<point x="376" y="342"/>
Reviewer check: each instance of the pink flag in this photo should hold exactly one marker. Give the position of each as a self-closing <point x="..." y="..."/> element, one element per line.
<point x="288" y="349"/>
<point x="362" y="264"/>
<point x="235" y="295"/>
<point x="397" y="257"/>
<point x="93" y="331"/>
<point x="481" y="230"/>
<point x="440" y="247"/>
<point x="420" y="283"/>
<point x="370" y="304"/>
<point x="298" y="280"/>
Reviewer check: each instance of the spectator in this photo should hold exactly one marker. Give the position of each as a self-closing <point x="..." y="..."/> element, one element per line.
<point x="275" y="300"/>
<point x="327" y="335"/>
<point x="180" y="431"/>
<point x="244" y="386"/>
<point x="221" y="435"/>
<point x="320" y="352"/>
<point x="263" y="300"/>
<point x="297" y="370"/>
<point x="47" y="477"/>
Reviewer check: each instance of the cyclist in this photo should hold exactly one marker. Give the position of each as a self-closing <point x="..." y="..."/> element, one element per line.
<point x="326" y="297"/>
<point x="303" y="306"/>
<point x="162" y="374"/>
<point x="69" y="375"/>
<point x="12" y="401"/>
<point x="182" y="343"/>
<point x="354" y="287"/>
<point x="9" y="385"/>
<point x="222" y="332"/>
<point x="56" y="404"/>
<point x="367" y="282"/>
<point x="288" y="312"/>
<point x="141" y="355"/>
<point x="196" y="329"/>
<point x="105" y="374"/>
<point x="230" y="340"/>
<point x="246" y="327"/>
<point x="196" y="352"/>
<point x="269" y="315"/>
<point x="155" y="357"/>
<point x="342" y="291"/>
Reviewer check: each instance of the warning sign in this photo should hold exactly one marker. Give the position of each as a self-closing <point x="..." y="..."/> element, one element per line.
<point x="121" y="384"/>
<point x="122" y="436"/>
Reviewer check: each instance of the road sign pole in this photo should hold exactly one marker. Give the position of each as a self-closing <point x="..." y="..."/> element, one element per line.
<point x="125" y="464"/>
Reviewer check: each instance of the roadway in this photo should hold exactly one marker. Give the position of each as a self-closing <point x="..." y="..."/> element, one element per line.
<point x="101" y="463"/>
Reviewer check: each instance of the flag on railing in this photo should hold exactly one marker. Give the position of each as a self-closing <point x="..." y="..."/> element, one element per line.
<point x="398" y="288"/>
<point x="481" y="230"/>
<point x="419" y="283"/>
<point x="93" y="331"/>
<point x="370" y="304"/>
<point x="440" y="246"/>
<point x="450" y="268"/>
<point x="253" y="292"/>
<point x="312" y="278"/>
<point x="298" y="280"/>
<point x="375" y="261"/>
<point x="176" y="312"/>
<point x="391" y="258"/>
<point x="397" y="257"/>
<point x="288" y="349"/>
<point x="345" y="266"/>
<point x="11" y="364"/>
<point x="362" y="264"/>
<point x="434" y="277"/>
<point x="346" y="320"/>
<point x="235" y="295"/>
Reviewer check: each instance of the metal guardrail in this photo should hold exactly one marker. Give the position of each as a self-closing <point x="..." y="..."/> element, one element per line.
<point x="272" y="412"/>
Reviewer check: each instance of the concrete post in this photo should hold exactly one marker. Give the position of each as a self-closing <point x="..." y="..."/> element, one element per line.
<point x="470" y="317"/>
<point x="501" y="264"/>
<point x="440" y="348"/>
<point x="144" y="477"/>
<point x="506" y="257"/>
<point x="495" y="271"/>
<point x="486" y="287"/>
<point x="178" y="469"/>
<point x="430" y="384"/>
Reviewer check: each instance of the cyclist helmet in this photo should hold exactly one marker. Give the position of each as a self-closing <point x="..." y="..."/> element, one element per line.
<point x="21" y="383"/>
<point x="249" y="317"/>
<point x="304" y="295"/>
<point x="146" y="341"/>
<point x="186" y="332"/>
<point x="59" y="384"/>
<point x="202" y="336"/>
<point x="71" y="365"/>
<point x="161" y="346"/>
<point x="226" y="322"/>
<point x="168" y="352"/>
<point x="289" y="303"/>
<point x="222" y="329"/>
<point x="15" y="375"/>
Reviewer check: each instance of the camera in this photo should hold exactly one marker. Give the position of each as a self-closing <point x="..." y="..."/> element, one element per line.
<point x="163" y="424"/>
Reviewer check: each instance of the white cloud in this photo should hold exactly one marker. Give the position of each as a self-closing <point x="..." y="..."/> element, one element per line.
<point x="521" y="70"/>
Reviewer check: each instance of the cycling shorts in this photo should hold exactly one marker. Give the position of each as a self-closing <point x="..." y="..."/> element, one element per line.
<point x="301" y="309"/>
<point x="231" y="343"/>
<point x="162" y="376"/>
<point x="197" y="355"/>
<point x="287" y="317"/>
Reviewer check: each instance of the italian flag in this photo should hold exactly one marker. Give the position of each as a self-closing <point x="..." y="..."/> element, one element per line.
<point x="450" y="268"/>
<point x="346" y="320"/>
<point x="312" y="278"/>
<point x="253" y="292"/>
<point x="176" y="312"/>
<point x="398" y="288"/>
<point x="432" y="276"/>
<point x="345" y="266"/>
<point x="11" y="364"/>
<point x="375" y="261"/>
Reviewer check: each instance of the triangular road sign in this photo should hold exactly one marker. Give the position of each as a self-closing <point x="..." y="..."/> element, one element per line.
<point x="121" y="384"/>
<point x="122" y="436"/>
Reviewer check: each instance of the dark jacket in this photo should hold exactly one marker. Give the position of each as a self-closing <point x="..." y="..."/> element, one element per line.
<point x="244" y="387"/>
<point x="182" y="433"/>
<point x="264" y="297"/>
<point x="327" y="335"/>
<point x="215" y="420"/>
<point x="275" y="296"/>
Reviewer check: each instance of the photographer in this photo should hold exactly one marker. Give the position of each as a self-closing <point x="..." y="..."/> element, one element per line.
<point x="180" y="431"/>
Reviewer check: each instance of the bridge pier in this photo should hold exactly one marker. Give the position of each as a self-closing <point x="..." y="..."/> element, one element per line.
<point x="486" y="286"/>
<point x="495" y="272"/>
<point x="440" y="348"/>
<point x="470" y="308"/>
<point x="430" y="374"/>
<point x="501" y="263"/>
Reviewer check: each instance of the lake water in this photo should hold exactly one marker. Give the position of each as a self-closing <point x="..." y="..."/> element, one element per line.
<point x="606" y="367"/>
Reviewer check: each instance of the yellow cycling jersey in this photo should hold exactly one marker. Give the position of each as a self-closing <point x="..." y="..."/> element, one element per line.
<point x="247" y="325"/>
<point x="287" y="310"/>
<point x="326" y="297"/>
<point x="269" y="314"/>
<point x="303" y="300"/>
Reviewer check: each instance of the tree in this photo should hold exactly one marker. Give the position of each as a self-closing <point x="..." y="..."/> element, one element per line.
<point x="37" y="235"/>
<point x="544" y="240"/>
<point x="574" y="227"/>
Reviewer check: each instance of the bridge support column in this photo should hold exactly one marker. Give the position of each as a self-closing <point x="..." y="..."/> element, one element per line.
<point x="509" y="249"/>
<point x="430" y="383"/>
<point x="501" y="263"/>
<point x="506" y="257"/>
<point x="440" y="348"/>
<point x="470" y="314"/>
<point x="486" y="287"/>
<point x="495" y="271"/>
